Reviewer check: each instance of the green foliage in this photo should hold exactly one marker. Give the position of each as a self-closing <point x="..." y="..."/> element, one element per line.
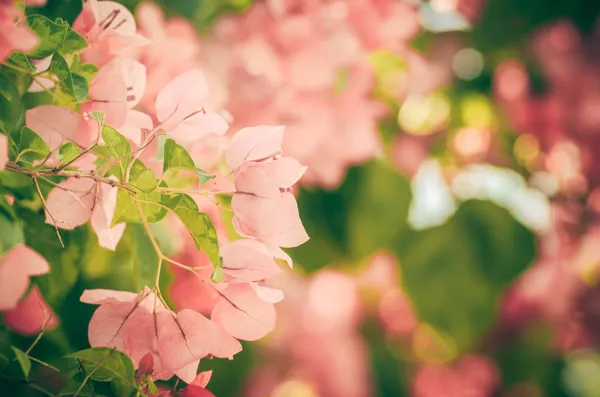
<point x="10" y="104"/>
<point x="363" y="216"/>
<point x="455" y="273"/>
<point x="31" y="147"/>
<point x="198" y="224"/>
<point x="54" y="37"/>
<point x="107" y="365"/>
<point x="177" y="158"/>
<point x="73" y="83"/>
<point x="23" y="360"/>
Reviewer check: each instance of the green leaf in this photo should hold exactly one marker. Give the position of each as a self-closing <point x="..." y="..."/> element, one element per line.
<point x="364" y="215"/>
<point x="150" y="200"/>
<point x="217" y="275"/>
<point x="10" y="104"/>
<point x="99" y="117"/>
<point x="31" y="146"/>
<point x="198" y="224"/>
<point x="117" y="147"/>
<point x="23" y="360"/>
<point x="64" y="262"/>
<point x="204" y="176"/>
<point x="11" y="233"/>
<point x="107" y="364"/>
<point x="75" y="85"/>
<point x="145" y="180"/>
<point x="74" y="42"/>
<point x="20" y="60"/>
<point x="455" y="273"/>
<point x="86" y="70"/>
<point x="177" y="158"/>
<point x="68" y="152"/>
<point x="379" y="210"/>
<point x="54" y="37"/>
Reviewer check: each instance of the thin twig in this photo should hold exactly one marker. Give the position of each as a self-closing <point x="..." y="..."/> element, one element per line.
<point x="37" y="187"/>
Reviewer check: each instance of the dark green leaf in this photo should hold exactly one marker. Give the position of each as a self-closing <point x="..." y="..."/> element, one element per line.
<point x="10" y="104"/>
<point x="455" y="273"/>
<point x="75" y="85"/>
<point x="107" y="364"/>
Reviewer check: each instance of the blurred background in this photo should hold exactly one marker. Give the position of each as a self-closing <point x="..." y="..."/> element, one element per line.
<point x="452" y="197"/>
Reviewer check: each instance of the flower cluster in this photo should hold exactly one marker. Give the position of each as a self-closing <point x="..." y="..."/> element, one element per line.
<point x="267" y="58"/>
<point x="99" y="153"/>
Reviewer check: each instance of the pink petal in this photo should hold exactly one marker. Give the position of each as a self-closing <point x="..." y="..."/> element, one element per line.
<point x="31" y="315"/>
<point x="196" y="391"/>
<point x="200" y="123"/>
<point x="280" y="254"/>
<point x="34" y="263"/>
<point x="248" y="260"/>
<point x="265" y="179"/>
<point x="107" y="323"/>
<point x="99" y="296"/>
<point x="86" y="20"/>
<point x="16" y="265"/>
<point x="3" y="151"/>
<point x="104" y="210"/>
<point x="202" y="379"/>
<point x="254" y="143"/>
<point x="114" y="16"/>
<point x="243" y="314"/>
<point x="55" y="125"/>
<point x="274" y="221"/>
<point x="135" y="124"/>
<point x="183" y="338"/>
<point x="70" y="204"/>
<point x="188" y="373"/>
<point x="180" y="98"/>
<point x="284" y="172"/>
<point x="270" y="295"/>
<point x="134" y="74"/>
<point x="108" y="93"/>
<point x="254" y="180"/>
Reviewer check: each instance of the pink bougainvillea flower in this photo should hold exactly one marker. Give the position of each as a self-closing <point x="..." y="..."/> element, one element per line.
<point x="268" y="179"/>
<point x="272" y="220"/>
<point x="254" y="143"/>
<point x="31" y="315"/>
<point x="104" y="210"/>
<point x="117" y="86"/>
<point x="198" y="386"/>
<point x="141" y="324"/>
<point x="16" y="266"/>
<point x="15" y="34"/>
<point x="71" y="202"/>
<point x="180" y="108"/>
<point x="136" y="126"/>
<point x="3" y="151"/>
<point x="248" y="260"/>
<point x="56" y="124"/>
<point x="110" y="30"/>
<point x="243" y="314"/>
